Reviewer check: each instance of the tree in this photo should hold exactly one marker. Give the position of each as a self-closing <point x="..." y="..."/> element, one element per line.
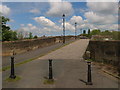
<point x="106" y="32"/>
<point x="116" y="35"/>
<point x="20" y="35"/>
<point x="7" y="34"/>
<point x="84" y="31"/>
<point x="35" y="36"/>
<point x="95" y="32"/>
<point x="30" y="35"/>
<point x="14" y="35"/>
<point x="5" y="28"/>
<point x="88" y="31"/>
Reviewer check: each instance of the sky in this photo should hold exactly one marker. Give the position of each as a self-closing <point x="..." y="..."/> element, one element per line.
<point x="45" y="18"/>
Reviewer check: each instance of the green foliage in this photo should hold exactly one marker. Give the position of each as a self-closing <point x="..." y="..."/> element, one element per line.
<point x="95" y="32"/>
<point x="30" y="35"/>
<point x="85" y="35"/>
<point x="20" y="36"/>
<point x="48" y="81"/>
<point x="84" y="31"/>
<point x="7" y="34"/>
<point x="13" y="80"/>
<point x="106" y="32"/>
<point x="88" y="31"/>
<point x="115" y="35"/>
<point x="35" y="36"/>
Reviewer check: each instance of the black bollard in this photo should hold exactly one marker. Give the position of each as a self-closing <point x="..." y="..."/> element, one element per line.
<point x="89" y="77"/>
<point x="50" y="69"/>
<point x="12" y="75"/>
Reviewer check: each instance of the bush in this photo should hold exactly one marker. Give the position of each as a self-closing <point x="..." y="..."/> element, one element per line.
<point x="35" y="36"/>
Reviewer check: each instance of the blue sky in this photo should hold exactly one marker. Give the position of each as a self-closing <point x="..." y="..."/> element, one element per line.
<point x="45" y="18"/>
<point x="21" y="14"/>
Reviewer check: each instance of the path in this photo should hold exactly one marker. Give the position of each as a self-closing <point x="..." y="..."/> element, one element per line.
<point x="69" y="70"/>
<point x="31" y="54"/>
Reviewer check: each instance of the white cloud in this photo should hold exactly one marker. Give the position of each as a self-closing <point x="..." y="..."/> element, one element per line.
<point x="100" y="19"/>
<point x="58" y="8"/>
<point x="108" y="27"/>
<point x="77" y="19"/>
<point x="26" y="29"/>
<point x="101" y="15"/>
<point x="47" y="25"/>
<point x="83" y="10"/>
<point x="69" y="27"/>
<point x="5" y="10"/>
<point x="44" y="21"/>
<point x="103" y="7"/>
<point x="102" y="12"/>
<point x="22" y="25"/>
<point x="29" y="25"/>
<point x="102" y="0"/>
<point x="11" y="20"/>
<point x="35" y="11"/>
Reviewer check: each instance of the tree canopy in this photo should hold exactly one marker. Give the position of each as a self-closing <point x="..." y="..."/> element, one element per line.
<point x="115" y="35"/>
<point x="6" y="33"/>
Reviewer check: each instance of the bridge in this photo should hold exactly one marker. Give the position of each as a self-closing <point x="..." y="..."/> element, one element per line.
<point x="69" y="70"/>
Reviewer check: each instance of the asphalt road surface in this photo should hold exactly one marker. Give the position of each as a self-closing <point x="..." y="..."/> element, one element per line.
<point x="31" y="54"/>
<point x="69" y="71"/>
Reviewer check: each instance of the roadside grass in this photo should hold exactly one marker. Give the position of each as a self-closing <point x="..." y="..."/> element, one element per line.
<point x="13" y="80"/>
<point x="5" y="68"/>
<point x="29" y="60"/>
<point x="47" y="81"/>
<point x="89" y="60"/>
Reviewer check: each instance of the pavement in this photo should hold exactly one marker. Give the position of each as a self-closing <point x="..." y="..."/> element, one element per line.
<point x="69" y="70"/>
<point x="31" y="54"/>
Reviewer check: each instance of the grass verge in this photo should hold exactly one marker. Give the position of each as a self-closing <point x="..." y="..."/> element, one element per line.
<point x="89" y="60"/>
<point x="26" y="61"/>
<point x="13" y="80"/>
<point x="47" y="81"/>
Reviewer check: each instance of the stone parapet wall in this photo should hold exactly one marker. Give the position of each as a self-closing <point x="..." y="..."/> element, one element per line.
<point x="105" y="51"/>
<point x="27" y="45"/>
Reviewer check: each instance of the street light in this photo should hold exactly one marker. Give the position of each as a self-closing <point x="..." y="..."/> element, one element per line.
<point x="63" y="28"/>
<point x="75" y="29"/>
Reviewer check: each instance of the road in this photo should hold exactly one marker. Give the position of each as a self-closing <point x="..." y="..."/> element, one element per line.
<point x="72" y="51"/>
<point x="31" y="54"/>
<point x="69" y="70"/>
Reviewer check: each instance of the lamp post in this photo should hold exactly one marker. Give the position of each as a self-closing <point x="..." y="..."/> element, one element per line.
<point x="63" y="28"/>
<point x="75" y="29"/>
